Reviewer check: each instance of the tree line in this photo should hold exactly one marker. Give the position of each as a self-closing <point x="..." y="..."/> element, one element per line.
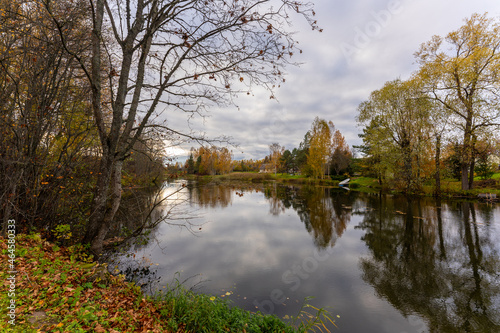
<point x="323" y="152"/>
<point x="449" y="105"/>
<point x="209" y="161"/>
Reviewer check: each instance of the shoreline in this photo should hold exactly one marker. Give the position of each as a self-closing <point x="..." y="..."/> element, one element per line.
<point x="60" y="289"/>
<point x="449" y="189"/>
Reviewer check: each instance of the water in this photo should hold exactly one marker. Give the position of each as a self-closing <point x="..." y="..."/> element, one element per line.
<point x="377" y="263"/>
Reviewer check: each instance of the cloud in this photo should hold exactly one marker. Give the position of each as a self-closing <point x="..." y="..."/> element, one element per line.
<point x="332" y="82"/>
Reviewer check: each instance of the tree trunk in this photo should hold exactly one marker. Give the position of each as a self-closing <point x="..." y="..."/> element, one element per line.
<point x="106" y="203"/>
<point x="437" y="175"/>
<point x="472" y="162"/>
<point x="112" y="205"/>
<point x="465" y="176"/>
<point x="98" y="211"/>
<point x="407" y="166"/>
<point x="467" y="153"/>
<point x="471" y="173"/>
<point x="99" y="202"/>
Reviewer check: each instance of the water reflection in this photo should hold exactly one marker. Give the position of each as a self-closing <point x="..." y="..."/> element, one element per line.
<point x="388" y="264"/>
<point x="214" y="195"/>
<point x="324" y="211"/>
<point x="435" y="260"/>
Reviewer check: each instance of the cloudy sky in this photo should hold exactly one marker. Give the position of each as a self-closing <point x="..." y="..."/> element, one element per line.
<point x="364" y="44"/>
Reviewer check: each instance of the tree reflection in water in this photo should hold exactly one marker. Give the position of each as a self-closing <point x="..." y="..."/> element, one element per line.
<point x="324" y="211"/>
<point x="435" y="262"/>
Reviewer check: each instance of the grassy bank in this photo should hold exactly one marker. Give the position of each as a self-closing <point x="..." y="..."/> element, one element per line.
<point x="61" y="290"/>
<point x="254" y="177"/>
<point x="449" y="188"/>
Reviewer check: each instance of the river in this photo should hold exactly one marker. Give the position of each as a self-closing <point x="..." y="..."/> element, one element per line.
<point x="378" y="263"/>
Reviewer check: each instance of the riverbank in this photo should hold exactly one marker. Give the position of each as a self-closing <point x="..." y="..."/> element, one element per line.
<point x="60" y="289"/>
<point x="254" y="177"/>
<point x="449" y="188"/>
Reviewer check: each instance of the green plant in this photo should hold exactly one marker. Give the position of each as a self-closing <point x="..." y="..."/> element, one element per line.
<point x="62" y="231"/>
<point x="205" y="313"/>
<point x="484" y="169"/>
<point x="310" y="322"/>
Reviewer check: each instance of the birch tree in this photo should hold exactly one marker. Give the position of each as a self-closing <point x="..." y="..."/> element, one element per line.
<point x="275" y="153"/>
<point x="461" y="71"/>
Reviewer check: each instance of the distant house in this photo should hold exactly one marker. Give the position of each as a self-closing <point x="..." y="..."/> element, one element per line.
<point x="494" y="159"/>
<point x="266" y="168"/>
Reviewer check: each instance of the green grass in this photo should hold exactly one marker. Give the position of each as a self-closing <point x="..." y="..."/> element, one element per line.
<point x="204" y="313"/>
<point x="364" y="184"/>
<point x="449" y="187"/>
<point x="495" y="176"/>
<point x="255" y="177"/>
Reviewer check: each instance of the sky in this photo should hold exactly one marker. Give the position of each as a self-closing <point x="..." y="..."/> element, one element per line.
<point x="363" y="45"/>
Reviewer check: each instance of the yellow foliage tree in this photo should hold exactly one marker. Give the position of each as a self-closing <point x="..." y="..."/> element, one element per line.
<point x="214" y="160"/>
<point x="320" y="147"/>
<point x="461" y="72"/>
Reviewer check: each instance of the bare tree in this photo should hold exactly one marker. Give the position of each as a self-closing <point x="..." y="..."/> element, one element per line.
<point x="184" y="55"/>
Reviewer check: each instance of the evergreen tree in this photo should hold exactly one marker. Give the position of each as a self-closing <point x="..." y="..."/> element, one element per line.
<point x="190" y="165"/>
<point x="197" y="165"/>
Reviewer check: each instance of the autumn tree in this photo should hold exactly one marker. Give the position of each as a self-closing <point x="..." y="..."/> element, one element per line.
<point x="341" y="153"/>
<point x="439" y="126"/>
<point x="46" y="130"/>
<point x="402" y="114"/>
<point x="171" y="56"/>
<point x="378" y="150"/>
<point x="461" y="71"/>
<point x="320" y="147"/>
<point x="213" y="160"/>
<point x="246" y="165"/>
<point x="275" y="154"/>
